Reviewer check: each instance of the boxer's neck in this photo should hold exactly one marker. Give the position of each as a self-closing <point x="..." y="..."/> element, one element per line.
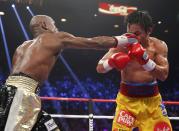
<point x="145" y="42"/>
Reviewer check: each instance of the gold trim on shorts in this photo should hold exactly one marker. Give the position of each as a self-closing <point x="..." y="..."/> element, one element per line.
<point x="24" y="82"/>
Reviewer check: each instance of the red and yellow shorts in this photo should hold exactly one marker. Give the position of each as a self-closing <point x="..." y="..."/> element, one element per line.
<point x="140" y="112"/>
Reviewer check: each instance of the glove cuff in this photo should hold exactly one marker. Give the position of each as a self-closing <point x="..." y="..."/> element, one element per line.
<point x="107" y="66"/>
<point x="101" y="61"/>
<point x="121" y="41"/>
<point x="150" y="65"/>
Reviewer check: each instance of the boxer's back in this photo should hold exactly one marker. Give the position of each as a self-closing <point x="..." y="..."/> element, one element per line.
<point x="36" y="57"/>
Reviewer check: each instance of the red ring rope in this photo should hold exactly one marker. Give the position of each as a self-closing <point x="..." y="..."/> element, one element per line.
<point x="96" y="100"/>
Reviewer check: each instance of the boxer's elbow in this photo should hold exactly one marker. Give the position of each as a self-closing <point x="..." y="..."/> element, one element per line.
<point x="161" y="73"/>
<point x="100" y="69"/>
<point x="163" y="76"/>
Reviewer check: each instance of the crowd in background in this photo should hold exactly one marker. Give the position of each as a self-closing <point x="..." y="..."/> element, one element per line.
<point x="92" y="87"/>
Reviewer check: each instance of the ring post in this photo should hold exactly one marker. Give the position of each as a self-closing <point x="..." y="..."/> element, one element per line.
<point x="90" y="107"/>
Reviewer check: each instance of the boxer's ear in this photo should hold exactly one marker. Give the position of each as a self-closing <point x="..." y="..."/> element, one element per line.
<point x="44" y="25"/>
<point x="149" y="31"/>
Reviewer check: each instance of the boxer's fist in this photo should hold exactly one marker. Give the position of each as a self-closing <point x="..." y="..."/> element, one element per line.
<point x="117" y="60"/>
<point x="137" y="51"/>
<point x="126" y="40"/>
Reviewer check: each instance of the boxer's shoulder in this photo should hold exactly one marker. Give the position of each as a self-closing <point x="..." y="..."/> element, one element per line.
<point x="54" y="36"/>
<point x="158" y="44"/>
<point x="63" y="35"/>
<point x="157" y="41"/>
<point x="25" y="44"/>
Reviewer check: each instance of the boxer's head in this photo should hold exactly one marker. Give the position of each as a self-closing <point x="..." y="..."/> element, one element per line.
<point x="41" y="23"/>
<point x="140" y="23"/>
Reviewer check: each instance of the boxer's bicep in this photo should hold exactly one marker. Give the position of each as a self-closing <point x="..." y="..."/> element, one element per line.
<point x="161" y="55"/>
<point x="161" y="60"/>
<point x="162" y="66"/>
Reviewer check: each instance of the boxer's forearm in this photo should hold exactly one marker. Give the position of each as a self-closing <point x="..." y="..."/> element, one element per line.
<point x="101" y="42"/>
<point x="161" y="69"/>
<point x="160" y="72"/>
<point x="104" y="42"/>
<point x="117" y="41"/>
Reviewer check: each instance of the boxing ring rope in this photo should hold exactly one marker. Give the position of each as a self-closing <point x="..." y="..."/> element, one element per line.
<point x="91" y="116"/>
<point x="96" y="100"/>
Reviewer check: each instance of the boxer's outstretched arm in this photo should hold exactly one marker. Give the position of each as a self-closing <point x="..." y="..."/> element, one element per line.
<point x="101" y="42"/>
<point x="162" y="67"/>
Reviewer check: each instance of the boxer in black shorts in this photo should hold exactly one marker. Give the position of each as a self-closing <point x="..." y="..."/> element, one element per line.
<point x="20" y="107"/>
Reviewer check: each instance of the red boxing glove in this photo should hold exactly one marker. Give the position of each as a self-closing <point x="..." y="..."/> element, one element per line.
<point x="117" y="60"/>
<point x="126" y="39"/>
<point x="136" y="50"/>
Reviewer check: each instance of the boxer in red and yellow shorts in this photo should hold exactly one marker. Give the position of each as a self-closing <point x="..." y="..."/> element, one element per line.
<point x="139" y="106"/>
<point x="142" y="59"/>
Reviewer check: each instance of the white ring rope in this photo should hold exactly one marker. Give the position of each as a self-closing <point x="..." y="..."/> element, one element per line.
<point x="93" y="116"/>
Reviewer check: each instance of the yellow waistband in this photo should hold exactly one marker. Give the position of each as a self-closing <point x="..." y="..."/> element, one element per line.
<point x="22" y="82"/>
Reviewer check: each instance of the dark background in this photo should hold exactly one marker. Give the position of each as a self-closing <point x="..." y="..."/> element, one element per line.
<point x="82" y="22"/>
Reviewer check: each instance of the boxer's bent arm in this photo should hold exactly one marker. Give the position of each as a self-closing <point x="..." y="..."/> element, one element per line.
<point x="100" y="67"/>
<point x="162" y="67"/>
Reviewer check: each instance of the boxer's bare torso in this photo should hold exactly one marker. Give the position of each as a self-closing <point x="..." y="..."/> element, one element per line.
<point x="37" y="57"/>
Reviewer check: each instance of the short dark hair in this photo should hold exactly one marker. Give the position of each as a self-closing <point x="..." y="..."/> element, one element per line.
<point x="142" y="18"/>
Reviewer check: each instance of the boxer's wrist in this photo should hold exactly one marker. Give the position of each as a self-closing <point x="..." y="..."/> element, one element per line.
<point x="150" y="65"/>
<point x="121" y="41"/>
<point x="125" y="40"/>
<point x="105" y="63"/>
<point x="107" y="66"/>
<point x="101" y="61"/>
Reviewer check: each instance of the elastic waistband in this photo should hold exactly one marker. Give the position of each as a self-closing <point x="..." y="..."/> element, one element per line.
<point x="139" y="90"/>
<point x="153" y="83"/>
<point x="22" y="81"/>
